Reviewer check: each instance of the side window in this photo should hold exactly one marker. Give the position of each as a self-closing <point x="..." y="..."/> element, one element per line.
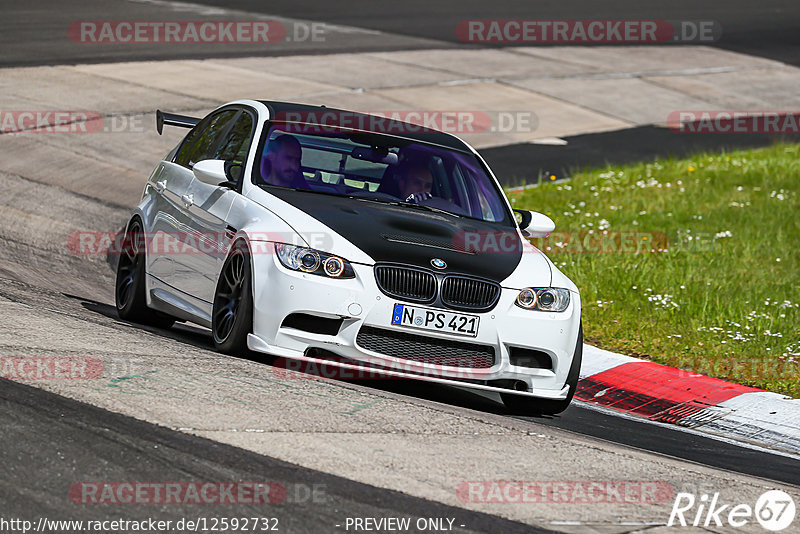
<point x="236" y="143"/>
<point x="188" y="142"/>
<point x="201" y="143"/>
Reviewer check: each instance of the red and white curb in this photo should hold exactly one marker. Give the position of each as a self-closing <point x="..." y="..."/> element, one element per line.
<point x="708" y="405"/>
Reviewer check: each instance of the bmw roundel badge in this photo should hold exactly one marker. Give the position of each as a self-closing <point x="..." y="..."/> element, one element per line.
<point x="439" y="264"/>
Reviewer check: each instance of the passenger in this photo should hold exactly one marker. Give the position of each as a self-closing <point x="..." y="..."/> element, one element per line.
<point x="280" y="164"/>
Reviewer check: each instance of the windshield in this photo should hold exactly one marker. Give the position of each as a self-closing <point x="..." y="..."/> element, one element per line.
<point x="380" y="168"/>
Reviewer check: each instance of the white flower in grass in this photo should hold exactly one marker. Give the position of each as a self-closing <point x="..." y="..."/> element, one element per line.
<point x="663" y="301"/>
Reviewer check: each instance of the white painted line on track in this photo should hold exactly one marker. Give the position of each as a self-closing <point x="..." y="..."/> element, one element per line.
<point x="597" y="360"/>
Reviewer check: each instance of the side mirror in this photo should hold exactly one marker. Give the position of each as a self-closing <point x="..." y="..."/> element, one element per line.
<point x="217" y="172"/>
<point x="535" y="224"/>
<point x="233" y="171"/>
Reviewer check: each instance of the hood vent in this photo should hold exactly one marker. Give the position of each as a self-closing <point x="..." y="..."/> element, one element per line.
<point x="442" y="244"/>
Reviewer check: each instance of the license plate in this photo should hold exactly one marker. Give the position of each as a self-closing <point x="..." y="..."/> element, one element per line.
<point x="437" y="320"/>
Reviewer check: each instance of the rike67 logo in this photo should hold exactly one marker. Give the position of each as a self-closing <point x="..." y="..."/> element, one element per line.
<point x="774" y="510"/>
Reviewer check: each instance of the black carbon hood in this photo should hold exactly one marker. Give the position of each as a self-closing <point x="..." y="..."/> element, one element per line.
<point x="410" y="236"/>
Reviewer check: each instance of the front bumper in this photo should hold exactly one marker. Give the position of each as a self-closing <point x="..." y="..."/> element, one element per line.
<point x="358" y="302"/>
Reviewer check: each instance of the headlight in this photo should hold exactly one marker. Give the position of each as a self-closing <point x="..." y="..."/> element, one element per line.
<point x="552" y="299"/>
<point x="313" y="261"/>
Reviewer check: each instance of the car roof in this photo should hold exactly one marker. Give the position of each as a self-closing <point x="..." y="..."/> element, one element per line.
<point x="410" y="131"/>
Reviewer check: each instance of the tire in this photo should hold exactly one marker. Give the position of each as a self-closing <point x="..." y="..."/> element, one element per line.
<point x="232" y="314"/>
<point x="129" y="287"/>
<point x="528" y="405"/>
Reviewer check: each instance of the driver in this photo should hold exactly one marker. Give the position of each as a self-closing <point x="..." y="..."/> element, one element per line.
<point x="281" y="163"/>
<point x="415" y="182"/>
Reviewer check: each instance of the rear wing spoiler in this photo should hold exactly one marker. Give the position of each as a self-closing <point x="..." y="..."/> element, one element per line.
<point x="172" y="119"/>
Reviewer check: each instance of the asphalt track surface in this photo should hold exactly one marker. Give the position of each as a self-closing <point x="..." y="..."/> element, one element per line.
<point x="39" y="427"/>
<point x="769" y="29"/>
<point x="35" y="32"/>
<point x="50" y="442"/>
<point x="605" y="425"/>
<point x="578" y="418"/>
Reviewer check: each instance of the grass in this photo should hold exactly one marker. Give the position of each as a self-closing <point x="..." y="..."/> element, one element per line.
<point x="698" y="266"/>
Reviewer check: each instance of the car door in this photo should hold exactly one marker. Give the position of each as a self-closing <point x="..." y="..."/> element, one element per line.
<point x="208" y="207"/>
<point x="174" y="232"/>
<point x="171" y="181"/>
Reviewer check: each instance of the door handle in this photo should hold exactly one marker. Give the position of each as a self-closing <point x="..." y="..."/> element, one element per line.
<point x="188" y="200"/>
<point x="160" y="186"/>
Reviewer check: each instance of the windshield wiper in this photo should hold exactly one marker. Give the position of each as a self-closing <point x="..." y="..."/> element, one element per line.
<point x="410" y="205"/>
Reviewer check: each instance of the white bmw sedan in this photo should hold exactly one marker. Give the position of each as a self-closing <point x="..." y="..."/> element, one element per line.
<point x="340" y="239"/>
